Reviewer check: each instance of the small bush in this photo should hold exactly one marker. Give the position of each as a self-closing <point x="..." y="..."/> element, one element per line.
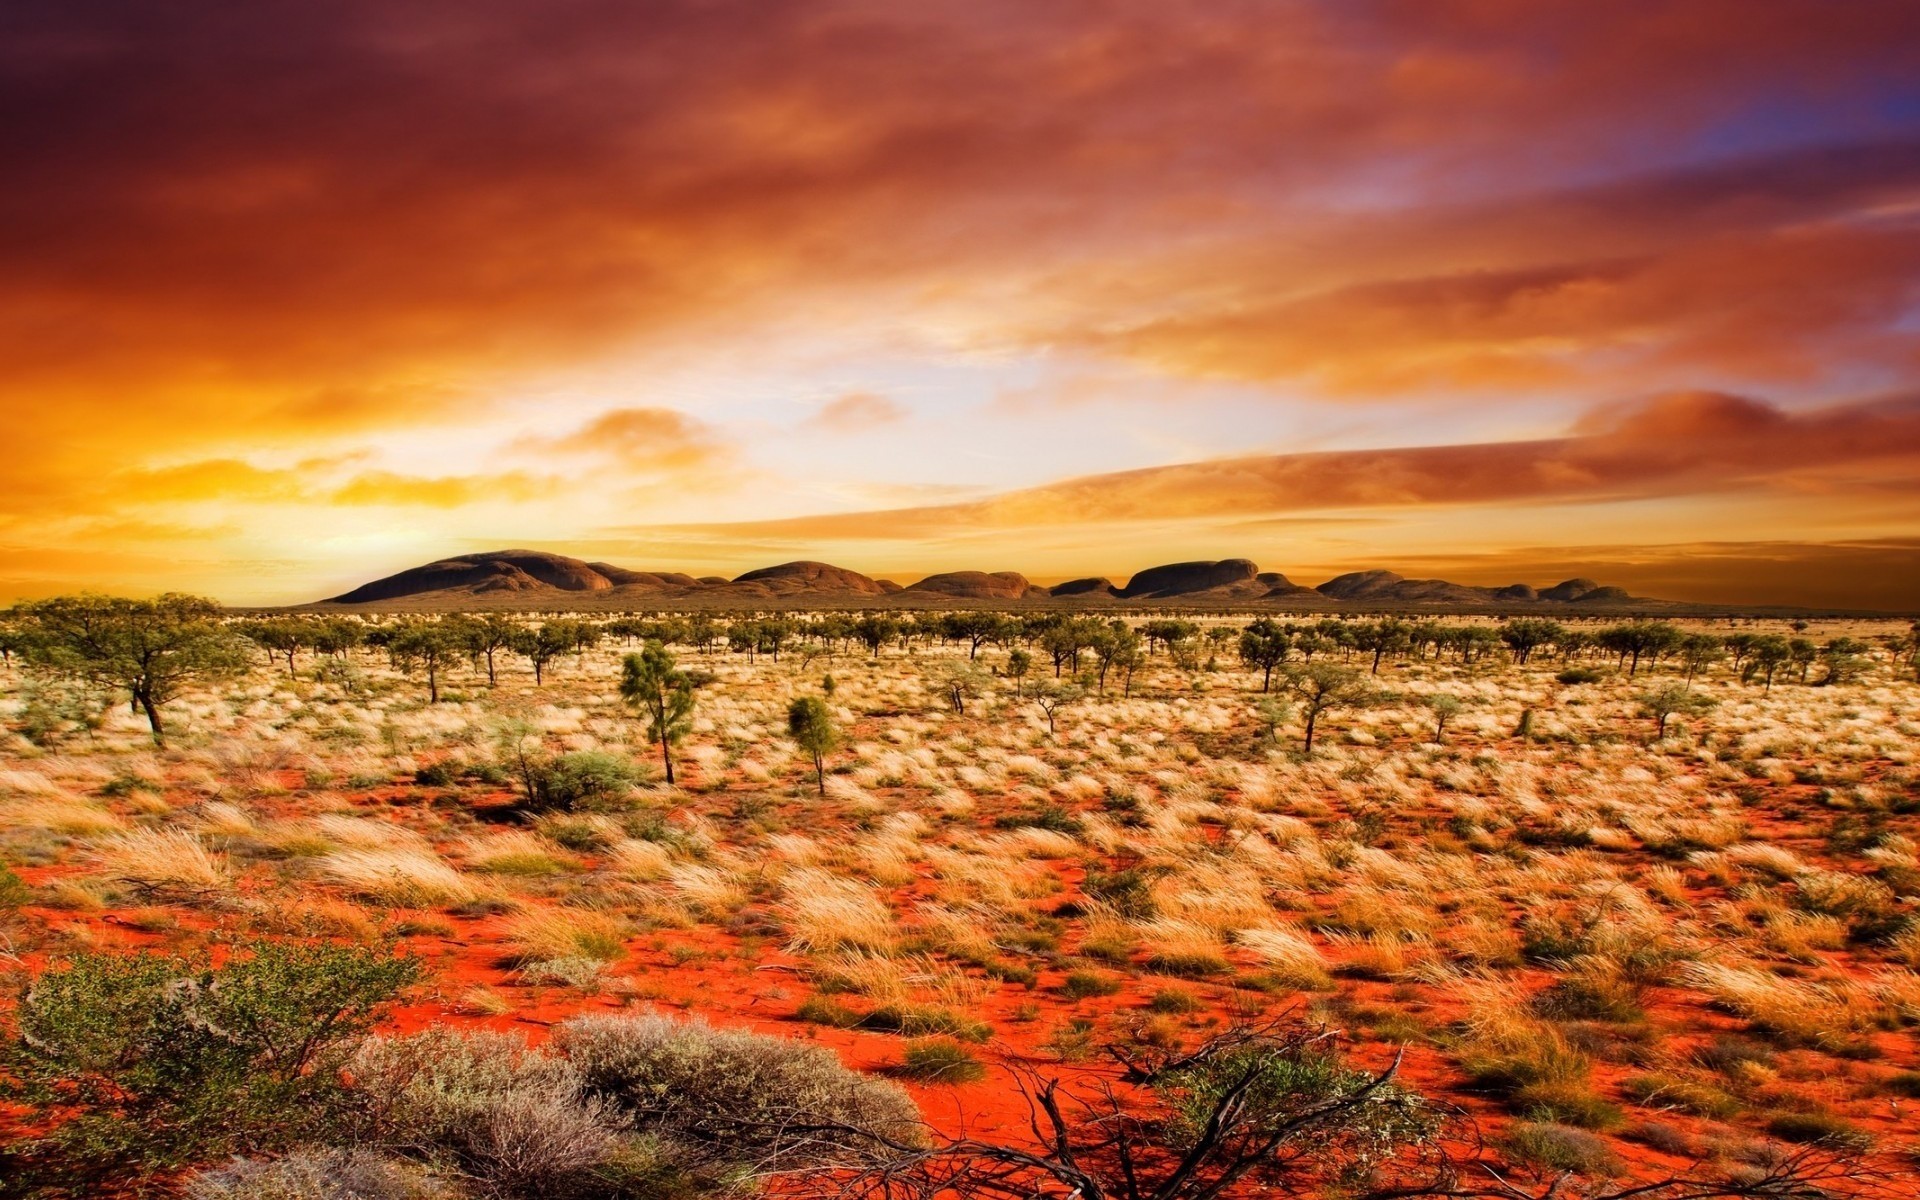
<point x="733" y="1094"/>
<point x="1576" y="675"/>
<point x="1173" y="1002"/>
<point x="584" y="780"/>
<point x="138" y="1063"/>
<point x="1822" y="1129"/>
<point x="1553" y="1148"/>
<point x="318" y="1174"/>
<point x="941" y="1060"/>
<point x="1082" y="985"/>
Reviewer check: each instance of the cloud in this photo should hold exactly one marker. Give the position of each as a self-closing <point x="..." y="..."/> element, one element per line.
<point x="1684" y="443"/>
<point x="645" y="439"/>
<point x="857" y="412"/>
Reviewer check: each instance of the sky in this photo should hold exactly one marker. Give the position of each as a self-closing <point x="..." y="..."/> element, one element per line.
<point x="295" y="295"/>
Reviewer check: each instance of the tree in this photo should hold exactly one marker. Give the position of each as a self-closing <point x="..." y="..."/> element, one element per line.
<point x="1845" y="659"/>
<point x="1670" y="701"/>
<point x="874" y="631"/>
<point x="1320" y="688"/>
<point x="1116" y="646"/>
<point x="1380" y="638"/>
<point x="1274" y="712"/>
<point x="280" y="636"/>
<point x="427" y="645"/>
<point x="976" y="629"/>
<point x="1770" y="653"/>
<point x="1019" y="662"/>
<point x="652" y="683"/>
<point x="1700" y="651"/>
<point x="1052" y="695"/>
<point x="541" y="645"/>
<point x="1264" y="645"/>
<point x="1524" y="635"/>
<point x="484" y="637"/>
<point x="959" y="683"/>
<point x="1640" y="640"/>
<point x="150" y="649"/>
<point x="810" y="725"/>
<point x="1444" y="706"/>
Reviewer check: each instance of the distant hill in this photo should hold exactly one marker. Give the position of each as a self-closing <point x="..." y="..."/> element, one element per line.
<point x="535" y="580"/>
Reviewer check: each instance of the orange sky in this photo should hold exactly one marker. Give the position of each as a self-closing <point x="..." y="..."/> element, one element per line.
<point x="294" y="295"/>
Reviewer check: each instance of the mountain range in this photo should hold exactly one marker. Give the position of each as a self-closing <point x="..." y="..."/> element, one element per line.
<point x="532" y="579"/>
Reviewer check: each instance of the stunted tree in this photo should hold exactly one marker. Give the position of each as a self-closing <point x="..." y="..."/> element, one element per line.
<point x="1019" y="662"/>
<point x="959" y="683"/>
<point x="976" y="629"/>
<point x="281" y="637"/>
<point x="542" y="644"/>
<point x="1117" y="646"/>
<point x="1698" y="651"/>
<point x="1052" y="695"/>
<point x="1670" y="701"/>
<point x="654" y="685"/>
<point x="810" y="725"/>
<point x="486" y="636"/>
<point x="1319" y="688"/>
<point x="1444" y="706"/>
<point x="1263" y="647"/>
<point x="150" y="649"/>
<point x="1524" y="635"/>
<point x="426" y="646"/>
<point x="874" y="631"/>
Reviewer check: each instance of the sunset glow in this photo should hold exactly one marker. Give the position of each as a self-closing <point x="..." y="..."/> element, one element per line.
<point x="295" y="295"/>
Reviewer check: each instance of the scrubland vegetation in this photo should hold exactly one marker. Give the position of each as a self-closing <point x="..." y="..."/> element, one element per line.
<point x="969" y="904"/>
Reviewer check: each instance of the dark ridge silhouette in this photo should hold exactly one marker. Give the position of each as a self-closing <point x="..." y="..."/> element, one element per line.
<point x="1193" y="578"/>
<point x="533" y="579"/>
<point x="976" y="585"/>
<point x="1091" y="586"/>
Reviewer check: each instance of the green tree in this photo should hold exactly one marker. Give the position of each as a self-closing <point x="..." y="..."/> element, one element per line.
<point x="1019" y="662"/>
<point x="653" y="684"/>
<point x="542" y="644"/>
<point x="1052" y="695"/>
<point x="1320" y="688"/>
<point x="810" y="725"/>
<point x="150" y="649"/>
<point x="427" y="646"/>
<point x="486" y="636"/>
<point x="875" y="630"/>
<point x="1673" y="700"/>
<point x="1524" y="635"/>
<point x="1444" y="706"/>
<point x="1263" y="646"/>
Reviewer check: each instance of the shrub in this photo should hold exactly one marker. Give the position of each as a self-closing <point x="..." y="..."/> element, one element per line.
<point x="1081" y="985"/>
<point x="732" y="1093"/>
<point x="136" y="1063"/>
<point x="489" y="1107"/>
<point x="1573" y="675"/>
<point x="1173" y="1001"/>
<point x="318" y="1174"/>
<point x="1128" y="891"/>
<point x="14" y="891"/>
<point x="941" y="1060"/>
<point x="1278" y="1080"/>
<point x="584" y="779"/>
<point x="1553" y="1148"/>
<point x="1825" y="1129"/>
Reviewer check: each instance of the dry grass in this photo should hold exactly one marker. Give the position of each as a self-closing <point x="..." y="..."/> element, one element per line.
<point x="401" y="877"/>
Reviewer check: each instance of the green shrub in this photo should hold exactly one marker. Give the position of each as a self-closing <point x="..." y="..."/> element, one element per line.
<point x="1573" y="675"/>
<point x="941" y="1060"/>
<point x="1128" y="891"/>
<point x="1174" y="1002"/>
<point x="1082" y="985"/>
<point x="1553" y="1148"/>
<point x="138" y="1063"/>
<point x="1277" y="1081"/>
<point x="1824" y="1129"/>
<point x="14" y="891"/>
<point x="583" y="780"/>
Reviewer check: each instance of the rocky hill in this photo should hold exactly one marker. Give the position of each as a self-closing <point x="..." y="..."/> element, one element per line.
<point x="533" y="579"/>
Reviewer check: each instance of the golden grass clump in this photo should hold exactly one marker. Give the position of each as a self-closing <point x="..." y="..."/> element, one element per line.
<point x="158" y="858"/>
<point x="399" y="876"/>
